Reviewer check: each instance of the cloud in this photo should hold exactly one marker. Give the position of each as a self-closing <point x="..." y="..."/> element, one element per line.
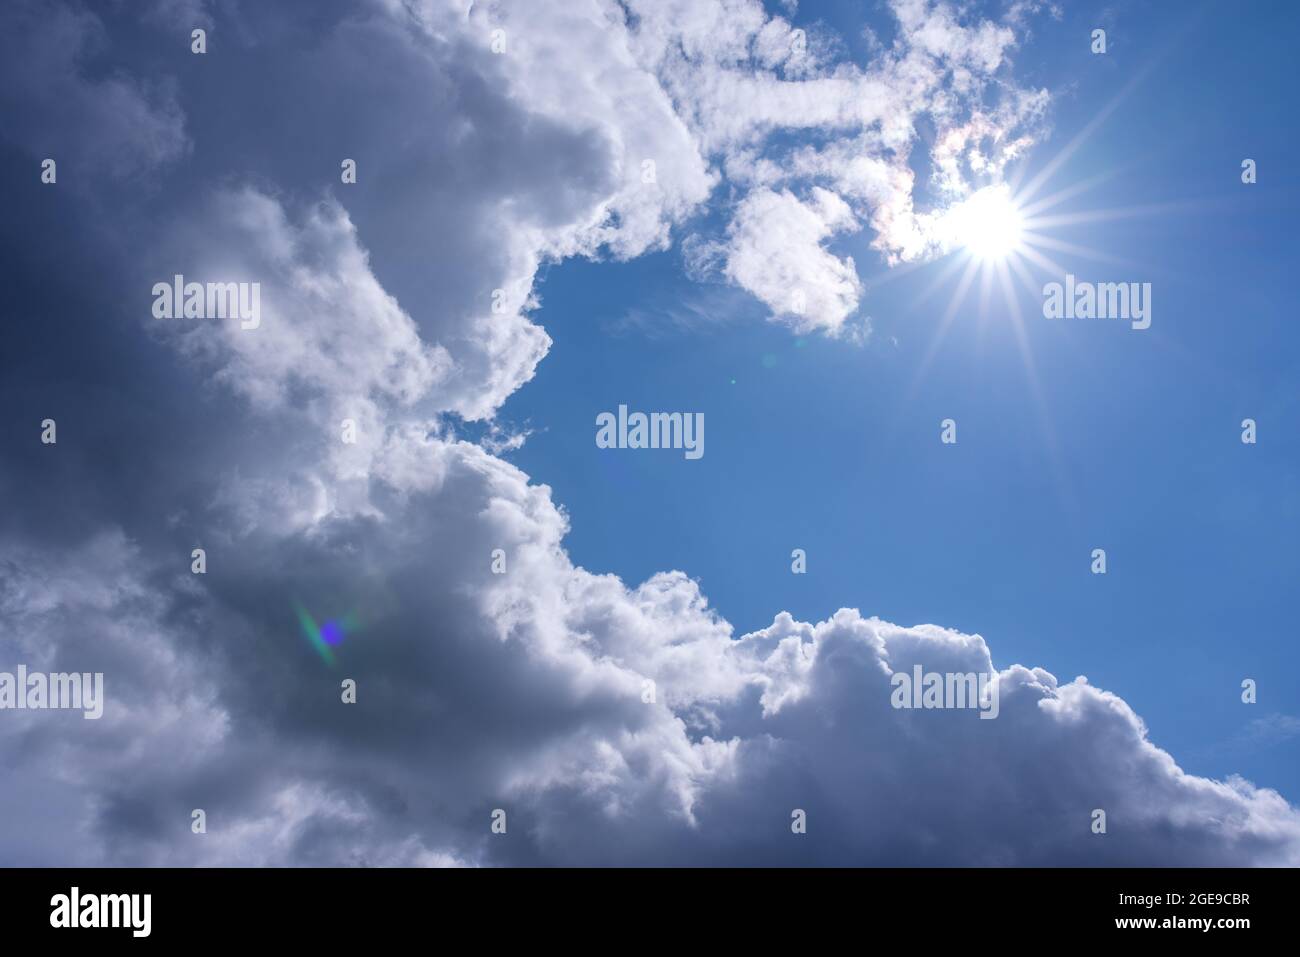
<point x="1054" y="754"/>
<point x="315" y="292"/>
<point x="775" y="250"/>
<point x="614" y="722"/>
<point x="717" y="60"/>
<point x="1269" y="730"/>
<point x="654" y="175"/>
<point x="61" y="102"/>
<point x="526" y="692"/>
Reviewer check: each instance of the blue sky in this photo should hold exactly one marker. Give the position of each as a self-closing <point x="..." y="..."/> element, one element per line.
<point x="608" y="646"/>
<point x="1130" y="441"/>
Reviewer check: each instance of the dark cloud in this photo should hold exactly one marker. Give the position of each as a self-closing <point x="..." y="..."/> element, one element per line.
<point x="523" y="691"/>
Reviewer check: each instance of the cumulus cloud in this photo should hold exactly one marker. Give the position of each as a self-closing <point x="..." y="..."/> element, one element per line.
<point x="943" y="68"/>
<point x="61" y="101"/>
<point x="315" y="292"/>
<point x="775" y="250"/>
<point x="614" y="723"/>
<point x="1054" y="754"/>
<point x="529" y="695"/>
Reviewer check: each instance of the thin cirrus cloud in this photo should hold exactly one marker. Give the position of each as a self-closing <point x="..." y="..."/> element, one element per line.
<point x="523" y="691"/>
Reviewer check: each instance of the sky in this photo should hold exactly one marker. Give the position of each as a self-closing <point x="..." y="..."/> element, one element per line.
<point x="561" y="208"/>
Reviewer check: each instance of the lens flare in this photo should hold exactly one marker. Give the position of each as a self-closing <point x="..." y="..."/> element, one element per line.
<point x="326" y="636"/>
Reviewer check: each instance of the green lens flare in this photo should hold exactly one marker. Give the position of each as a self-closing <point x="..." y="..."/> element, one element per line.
<point x="312" y="631"/>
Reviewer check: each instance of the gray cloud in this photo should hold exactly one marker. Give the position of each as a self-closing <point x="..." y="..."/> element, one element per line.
<point x="523" y="691"/>
<point x="65" y="96"/>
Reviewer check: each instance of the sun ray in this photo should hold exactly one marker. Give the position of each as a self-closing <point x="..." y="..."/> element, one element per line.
<point x="1127" y="212"/>
<point x="1043" y="262"/>
<point x="958" y="297"/>
<point x="1018" y="267"/>
<point x="894" y="272"/>
<point x="1030" y="210"/>
<point x="953" y="265"/>
<point x="1039" y="241"/>
<point x="1060" y="474"/>
<point x="1072" y="147"/>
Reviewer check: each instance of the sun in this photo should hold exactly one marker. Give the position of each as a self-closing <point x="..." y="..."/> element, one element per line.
<point x="989" y="224"/>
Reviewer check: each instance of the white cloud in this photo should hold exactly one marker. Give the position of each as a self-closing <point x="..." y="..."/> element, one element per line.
<point x="326" y="325"/>
<point x="716" y="59"/>
<point x="602" y="91"/>
<point x="524" y="691"/>
<point x="527" y="690"/>
<point x="775" y="250"/>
